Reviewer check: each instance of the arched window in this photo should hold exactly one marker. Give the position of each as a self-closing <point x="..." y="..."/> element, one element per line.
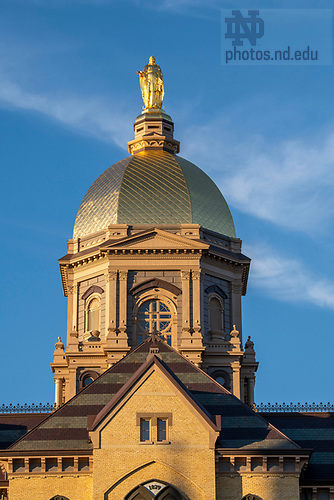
<point x="86" y="378"/>
<point x="154" y="316"/>
<point x="222" y="377"/>
<point x="251" y="497"/>
<point x="155" y="489"/>
<point x="216" y="315"/>
<point x="93" y="315"/>
<point x="59" y="497"/>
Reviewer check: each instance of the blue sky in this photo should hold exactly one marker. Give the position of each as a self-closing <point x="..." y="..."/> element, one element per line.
<point x="69" y="94"/>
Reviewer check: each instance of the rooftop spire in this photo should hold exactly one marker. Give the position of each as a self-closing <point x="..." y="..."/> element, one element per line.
<point x="153" y="127"/>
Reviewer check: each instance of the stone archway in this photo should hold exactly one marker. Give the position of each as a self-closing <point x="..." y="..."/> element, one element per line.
<point x="249" y="496"/>
<point x="159" y="490"/>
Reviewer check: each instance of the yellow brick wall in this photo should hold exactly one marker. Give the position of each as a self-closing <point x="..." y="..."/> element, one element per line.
<point x="267" y="487"/>
<point x="122" y="463"/>
<point x="43" y="487"/>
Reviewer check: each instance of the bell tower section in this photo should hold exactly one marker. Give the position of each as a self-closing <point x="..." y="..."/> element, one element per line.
<point x="154" y="250"/>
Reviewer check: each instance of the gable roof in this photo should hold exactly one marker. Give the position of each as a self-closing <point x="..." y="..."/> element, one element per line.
<point x="310" y="430"/>
<point x="153" y="361"/>
<point x="241" y="427"/>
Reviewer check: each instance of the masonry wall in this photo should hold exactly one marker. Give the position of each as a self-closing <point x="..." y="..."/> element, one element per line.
<point x="267" y="487"/>
<point x="44" y="487"/>
<point x="122" y="462"/>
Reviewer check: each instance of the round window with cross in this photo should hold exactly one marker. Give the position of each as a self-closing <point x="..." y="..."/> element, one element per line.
<point x="154" y="316"/>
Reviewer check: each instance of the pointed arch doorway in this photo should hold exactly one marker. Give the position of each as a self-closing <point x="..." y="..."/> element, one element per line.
<point x="159" y="490"/>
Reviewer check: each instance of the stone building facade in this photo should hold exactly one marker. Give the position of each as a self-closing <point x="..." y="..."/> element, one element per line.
<point x="154" y="384"/>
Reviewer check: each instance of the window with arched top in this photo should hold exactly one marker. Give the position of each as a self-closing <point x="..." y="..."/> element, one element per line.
<point x="154" y="316"/>
<point x="251" y="497"/>
<point x="222" y="377"/>
<point x="86" y="378"/>
<point x="93" y="313"/>
<point x="216" y="315"/>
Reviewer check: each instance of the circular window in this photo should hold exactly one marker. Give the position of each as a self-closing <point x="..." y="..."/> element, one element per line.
<point x="220" y="380"/>
<point x="154" y="316"/>
<point x="88" y="380"/>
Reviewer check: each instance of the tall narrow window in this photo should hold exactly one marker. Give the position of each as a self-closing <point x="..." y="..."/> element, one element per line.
<point x="216" y="315"/>
<point x="162" y="429"/>
<point x="145" y="429"/>
<point x="93" y="315"/>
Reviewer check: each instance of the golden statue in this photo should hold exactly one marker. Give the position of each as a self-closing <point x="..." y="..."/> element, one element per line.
<point x="152" y="85"/>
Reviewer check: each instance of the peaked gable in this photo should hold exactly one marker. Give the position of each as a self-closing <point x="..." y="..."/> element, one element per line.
<point x="153" y="361"/>
<point x="155" y="238"/>
<point x="241" y="427"/>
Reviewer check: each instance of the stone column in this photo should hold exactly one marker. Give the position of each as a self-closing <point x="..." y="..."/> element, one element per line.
<point x="250" y="390"/>
<point x="236" y="289"/>
<point x="58" y="391"/>
<point x="72" y="319"/>
<point x="72" y="305"/>
<point x="236" y="379"/>
<point x="185" y="277"/>
<point x="197" y="323"/>
<point x="123" y="280"/>
<point x="111" y="301"/>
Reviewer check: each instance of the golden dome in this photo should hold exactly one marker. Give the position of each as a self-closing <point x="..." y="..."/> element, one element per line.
<point x="153" y="187"/>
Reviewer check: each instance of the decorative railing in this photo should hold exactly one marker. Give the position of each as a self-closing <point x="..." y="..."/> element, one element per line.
<point x="33" y="408"/>
<point x="293" y="407"/>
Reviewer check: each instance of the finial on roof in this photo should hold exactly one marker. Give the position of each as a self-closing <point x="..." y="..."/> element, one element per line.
<point x="249" y="344"/>
<point x="59" y="344"/>
<point x="234" y="332"/>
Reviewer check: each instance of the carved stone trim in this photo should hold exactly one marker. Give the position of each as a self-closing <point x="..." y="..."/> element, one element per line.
<point x="171" y="145"/>
<point x="92" y="289"/>
<point x="72" y="289"/>
<point x="110" y="276"/>
<point x="155" y="283"/>
<point x="197" y="275"/>
<point x="237" y="287"/>
<point x="185" y="275"/>
<point x="123" y="275"/>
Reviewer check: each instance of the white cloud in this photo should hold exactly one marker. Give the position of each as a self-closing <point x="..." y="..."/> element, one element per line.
<point x="105" y="120"/>
<point x="288" y="279"/>
<point x="289" y="183"/>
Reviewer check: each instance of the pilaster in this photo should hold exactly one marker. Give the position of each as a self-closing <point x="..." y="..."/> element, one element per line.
<point x="111" y="301"/>
<point x="236" y="292"/>
<point x="185" y="279"/>
<point x="123" y="296"/>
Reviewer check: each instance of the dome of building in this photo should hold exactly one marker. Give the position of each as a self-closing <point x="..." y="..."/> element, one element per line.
<point x="153" y="186"/>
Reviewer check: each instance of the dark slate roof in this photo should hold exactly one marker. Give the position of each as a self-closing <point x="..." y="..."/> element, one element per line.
<point x="242" y="428"/>
<point x="14" y="426"/>
<point x="310" y="430"/>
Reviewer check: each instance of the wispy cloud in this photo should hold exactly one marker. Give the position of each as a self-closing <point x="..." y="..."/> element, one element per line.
<point x="94" y="116"/>
<point x="287" y="182"/>
<point x="288" y="279"/>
